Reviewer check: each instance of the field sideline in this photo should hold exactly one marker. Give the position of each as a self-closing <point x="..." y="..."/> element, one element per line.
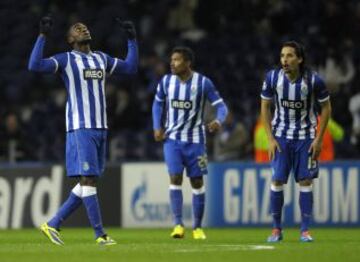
<point x="155" y="245"/>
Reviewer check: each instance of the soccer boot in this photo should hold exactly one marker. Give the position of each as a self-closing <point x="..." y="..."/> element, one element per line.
<point x="105" y="241"/>
<point x="276" y="236"/>
<point x="178" y="232"/>
<point x="52" y="234"/>
<point x="198" y="233"/>
<point x="306" y="237"/>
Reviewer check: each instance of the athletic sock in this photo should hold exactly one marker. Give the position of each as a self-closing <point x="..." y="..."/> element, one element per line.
<point x="198" y="204"/>
<point x="67" y="208"/>
<point x="306" y="205"/>
<point x="176" y="203"/>
<point x="92" y="206"/>
<point x="276" y="204"/>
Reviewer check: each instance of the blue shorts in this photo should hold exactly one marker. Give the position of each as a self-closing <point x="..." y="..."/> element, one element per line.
<point x="86" y="152"/>
<point x="179" y="155"/>
<point x="294" y="156"/>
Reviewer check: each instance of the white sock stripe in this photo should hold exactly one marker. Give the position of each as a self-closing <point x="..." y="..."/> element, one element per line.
<point x="88" y="191"/>
<point x="306" y="188"/>
<point x="77" y="190"/>
<point x="175" y="187"/>
<point x="277" y="188"/>
<point x="198" y="191"/>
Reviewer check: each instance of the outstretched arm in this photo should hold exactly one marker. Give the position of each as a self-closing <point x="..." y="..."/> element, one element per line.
<point x="37" y="63"/>
<point x="130" y="64"/>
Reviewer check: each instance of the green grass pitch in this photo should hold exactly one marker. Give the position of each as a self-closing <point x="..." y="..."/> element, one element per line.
<point x="155" y="245"/>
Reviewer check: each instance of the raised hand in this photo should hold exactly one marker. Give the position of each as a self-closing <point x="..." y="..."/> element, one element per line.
<point x="46" y="24"/>
<point x="128" y="27"/>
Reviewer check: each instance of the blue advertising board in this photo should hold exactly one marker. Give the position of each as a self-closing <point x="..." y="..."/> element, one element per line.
<point x="238" y="195"/>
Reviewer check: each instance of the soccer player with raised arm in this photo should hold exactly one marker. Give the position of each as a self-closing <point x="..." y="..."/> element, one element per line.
<point x="83" y="72"/>
<point x="182" y="94"/>
<point x="294" y="142"/>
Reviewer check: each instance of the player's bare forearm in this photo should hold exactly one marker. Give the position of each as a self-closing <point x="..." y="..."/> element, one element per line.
<point x="266" y="117"/>
<point x="316" y="145"/>
<point x="324" y="118"/>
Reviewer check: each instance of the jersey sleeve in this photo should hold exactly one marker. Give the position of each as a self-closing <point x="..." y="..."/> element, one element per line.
<point x="110" y="62"/>
<point x="158" y="103"/>
<point x="160" y="90"/>
<point x="36" y="62"/>
<point x="60" y="61"/>
<point x="211" y="93"/>
<point x="157" y="111"/>
<point x="118" y="66"/>
<point x="215" y="99"/>
<point x="114" y="65"/>
<point x="267" y="91"/>
<point x="320" y="90"/>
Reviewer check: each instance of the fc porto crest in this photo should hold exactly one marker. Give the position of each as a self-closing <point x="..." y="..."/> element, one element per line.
<point x="193" y="89"/>
<point x="86" y="166"/>
<point x="264" y="86"/>
<point x="304" y="90"/>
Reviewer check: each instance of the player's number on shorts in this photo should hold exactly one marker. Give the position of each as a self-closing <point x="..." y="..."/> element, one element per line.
<point x="202" y="161"/>
<point x="312" y="163"/>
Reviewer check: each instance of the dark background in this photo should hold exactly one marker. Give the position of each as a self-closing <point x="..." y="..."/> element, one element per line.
<point x="235" y="43"/>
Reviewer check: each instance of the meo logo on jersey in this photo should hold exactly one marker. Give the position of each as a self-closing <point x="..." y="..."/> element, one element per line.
<point x="293" y="104"/>
<point x="93" y="74"/>
<point x="181" y="104"/>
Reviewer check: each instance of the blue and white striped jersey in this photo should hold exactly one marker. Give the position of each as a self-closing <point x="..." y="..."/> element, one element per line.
<point x="84" y="78"/>
<point x="185" y="103"/>
<point x="295" y="113"/>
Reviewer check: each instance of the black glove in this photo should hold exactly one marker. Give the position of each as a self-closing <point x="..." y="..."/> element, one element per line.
<point x="128" y="27"/>
<point x="46" y="24"/>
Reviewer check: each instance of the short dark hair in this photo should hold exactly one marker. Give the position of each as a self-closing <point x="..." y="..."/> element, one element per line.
<point x="186" y="52"/>
<point x="299" y="51"/>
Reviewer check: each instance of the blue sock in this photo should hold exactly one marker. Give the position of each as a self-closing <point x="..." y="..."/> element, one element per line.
<point x="276" y="205"/>
<point x="93" y="210"/>
<point x="198" y="203"/>
<point x="176" y="203"/>
<point x="306" y="205"/>
<point x="68" y="207"/>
